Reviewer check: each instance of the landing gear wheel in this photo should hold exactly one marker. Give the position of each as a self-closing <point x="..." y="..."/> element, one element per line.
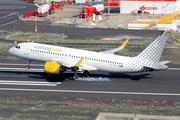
<point x="52" y="11"/>
<point x="27" y="67"/>
<point x="75" y="77"/>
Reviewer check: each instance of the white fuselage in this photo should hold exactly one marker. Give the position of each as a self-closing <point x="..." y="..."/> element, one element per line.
<point x="44" y="53"/>
<point x="147" y="60"/>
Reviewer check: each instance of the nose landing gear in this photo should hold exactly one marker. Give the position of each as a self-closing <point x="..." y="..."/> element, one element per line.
<point x="28" y="66"/>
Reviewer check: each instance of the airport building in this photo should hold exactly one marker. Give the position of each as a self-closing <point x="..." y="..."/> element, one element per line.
<point x="147" y="6"/>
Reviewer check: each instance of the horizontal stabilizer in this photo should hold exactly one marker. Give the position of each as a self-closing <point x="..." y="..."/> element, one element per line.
<point x="164" y="62"/>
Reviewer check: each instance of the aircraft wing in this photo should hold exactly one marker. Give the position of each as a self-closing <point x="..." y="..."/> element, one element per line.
<point x="69" y="64"/>
<point x="116" y="49"/>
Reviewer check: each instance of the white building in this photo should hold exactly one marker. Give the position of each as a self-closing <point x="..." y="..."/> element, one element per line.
<point x="151" y="6"/>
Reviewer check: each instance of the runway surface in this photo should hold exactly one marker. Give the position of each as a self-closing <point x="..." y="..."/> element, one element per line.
<point x="160" y="85"/>
<point x="11" y="10"/>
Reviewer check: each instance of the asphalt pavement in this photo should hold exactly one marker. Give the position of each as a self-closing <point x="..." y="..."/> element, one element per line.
<point x="82" y="33"/>
<point x="159" y="85"/>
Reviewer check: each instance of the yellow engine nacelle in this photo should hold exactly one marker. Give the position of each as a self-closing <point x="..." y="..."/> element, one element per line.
<point x="52" y="68"/>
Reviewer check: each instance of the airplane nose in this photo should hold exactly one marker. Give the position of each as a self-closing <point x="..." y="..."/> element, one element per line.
<point x="11" y="51"/>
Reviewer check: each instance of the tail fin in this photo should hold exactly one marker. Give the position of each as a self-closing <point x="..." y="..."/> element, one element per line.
<point x="154" y="51"/>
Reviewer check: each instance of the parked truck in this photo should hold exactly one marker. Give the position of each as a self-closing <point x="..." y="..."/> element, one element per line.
<point x="44" y="9"/>
<point x="86" y="12"/>
<point x="30" y="0"/>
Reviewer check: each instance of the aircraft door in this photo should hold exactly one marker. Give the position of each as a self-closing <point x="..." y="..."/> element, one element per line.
<point x="27" y="50"/>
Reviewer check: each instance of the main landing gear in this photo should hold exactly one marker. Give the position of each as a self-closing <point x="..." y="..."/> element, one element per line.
<point x="75" y="76"/>
<point x="28" y="67"/>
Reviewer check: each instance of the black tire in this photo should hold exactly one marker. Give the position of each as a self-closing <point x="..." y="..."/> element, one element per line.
<point x="52" y="11"/>
<point x="27" y="67"/>
<point x="75" y="77"/>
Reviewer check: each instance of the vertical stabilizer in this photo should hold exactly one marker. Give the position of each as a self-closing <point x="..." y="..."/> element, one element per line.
<point x="148" y="60"/>
<point x="154" y="51"/>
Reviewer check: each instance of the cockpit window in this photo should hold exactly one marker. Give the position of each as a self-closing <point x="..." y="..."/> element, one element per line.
<point x="18" y="47"/>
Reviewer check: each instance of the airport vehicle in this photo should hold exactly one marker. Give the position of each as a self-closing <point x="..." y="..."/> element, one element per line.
<point x="30" y="0"/>
<point x="44" y="9"/>
<point x="86" y="12"/>
<point x="61" y="59"/>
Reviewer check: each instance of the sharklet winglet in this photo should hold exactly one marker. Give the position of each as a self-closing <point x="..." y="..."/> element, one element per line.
<point x="124" y="44"/>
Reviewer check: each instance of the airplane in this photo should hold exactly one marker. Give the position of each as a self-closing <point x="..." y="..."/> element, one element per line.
<point x="59" y="60"/>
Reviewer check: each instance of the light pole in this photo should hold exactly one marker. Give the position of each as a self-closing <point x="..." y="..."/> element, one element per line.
<point x="108" y="7"/>
<point x="35" y="19"/>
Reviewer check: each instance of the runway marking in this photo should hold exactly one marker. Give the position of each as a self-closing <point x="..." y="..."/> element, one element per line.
<point x="173" y="68"/>
<point x="7" y="15"/>
<point x="7" y="82"/>
<point x="12" y="7"/>
<point x="111" y="39"/>
<point x="14" y="75"/>
<point x="94" y="92"/>
<point x="8" y="23"/>
<point x="21" y="64"/>
<point x="20" y="69"/>
<point x="28" y="76"/>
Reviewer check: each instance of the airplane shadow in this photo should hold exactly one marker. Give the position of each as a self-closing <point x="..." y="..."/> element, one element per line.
<point x="68" y="76"/>
<point x="39" y="75"/>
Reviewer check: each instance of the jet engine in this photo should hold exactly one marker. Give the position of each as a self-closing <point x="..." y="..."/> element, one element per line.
<point x="53" y="68"/>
